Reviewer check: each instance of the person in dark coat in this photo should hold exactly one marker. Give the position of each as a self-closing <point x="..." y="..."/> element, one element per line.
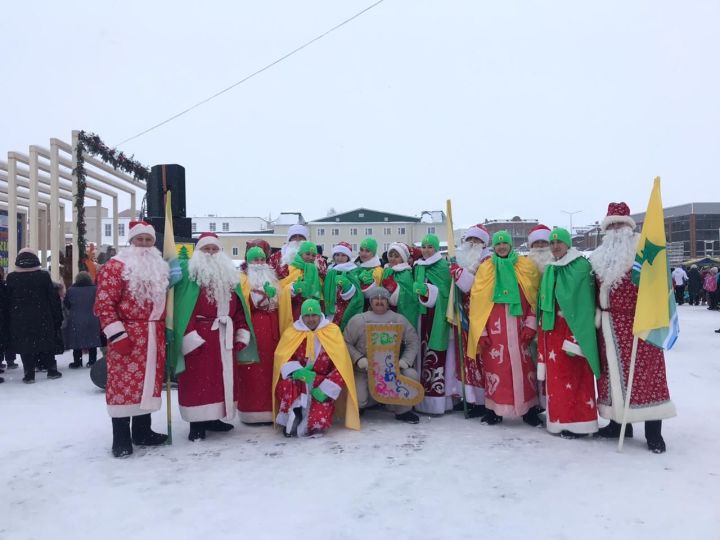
<point x="34" y="316"/>
<point x="5" y="352"/>
<point x="3" y="329"/>
<point x="81" y="328"/>
<point x="694" y="285"/>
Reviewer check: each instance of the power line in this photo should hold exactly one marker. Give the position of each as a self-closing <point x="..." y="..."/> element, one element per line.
<point x="268" y="66"/>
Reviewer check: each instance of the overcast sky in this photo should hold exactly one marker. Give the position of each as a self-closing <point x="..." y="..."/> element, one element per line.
<point x="508" y="108"/>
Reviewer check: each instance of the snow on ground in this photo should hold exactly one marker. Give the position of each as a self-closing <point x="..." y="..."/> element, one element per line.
<point x="446" y="478"/>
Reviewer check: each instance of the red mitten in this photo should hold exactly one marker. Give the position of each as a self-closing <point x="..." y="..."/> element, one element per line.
<point x="456" y="271"/>
<point x="239" y="346"/>
<point x="122" y="346"/>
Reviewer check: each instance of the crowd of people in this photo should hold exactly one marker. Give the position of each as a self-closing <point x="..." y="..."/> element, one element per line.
<point x="287" y="340"/>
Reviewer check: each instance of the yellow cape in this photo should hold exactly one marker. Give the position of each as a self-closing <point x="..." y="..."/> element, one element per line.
<point x="333" y="344"/>
<point x="481" y="295"/>
<point x="377" y="275"/>
<point x="245" y="287"/>
<point x="285" y="314"/>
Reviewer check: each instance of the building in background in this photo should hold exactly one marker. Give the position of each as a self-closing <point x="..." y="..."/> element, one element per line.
<point x="518" y="228"/>
<point x="385" y="227"/>
<point x="692" y="230"/>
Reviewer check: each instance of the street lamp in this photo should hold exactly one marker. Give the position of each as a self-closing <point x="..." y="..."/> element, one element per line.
<point x="571" y="215"/>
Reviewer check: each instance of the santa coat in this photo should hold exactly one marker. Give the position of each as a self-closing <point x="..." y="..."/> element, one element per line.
<point x="437" y="366"/>
<point x="343" y="299"/>
<point x="282" y="270"/>
<point x="403" y="301"/>
<point x="286" y="291"/>
<point x="650" y="398"/>
<point x="292" y="394"/>
<point x="375" y="266"/>
<point x="474" y="382"/>
<point x="134" y="382"/>
<point x="206" y="388"/>
<point x="254" y="381"/>
<point x="570" y="383"/>
<point x="510" y="373"/>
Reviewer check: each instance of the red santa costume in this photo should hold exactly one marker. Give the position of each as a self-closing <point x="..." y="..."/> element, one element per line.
<point x="341" y="289"/>
<point x="280" y="260"/>
<point x="216" y="329"/>
<point x="472" y="252"/>
<point x="260" y="286"/>
<point x="130" y="303"/>
<point x="617" y="296"/>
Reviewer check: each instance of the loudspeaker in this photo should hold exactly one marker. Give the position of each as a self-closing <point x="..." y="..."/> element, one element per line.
<point x="182" y="227"/>
<point x="175" y="182"/>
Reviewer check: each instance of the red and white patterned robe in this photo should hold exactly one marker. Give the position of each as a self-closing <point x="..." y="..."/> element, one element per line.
<point x="650" y="398"/>
<point x="134" y="382"/>
<point x="255" y="380"/>
<point x="510" y="373"/>
<point x="474" y="380"/>
<point x="292" y="394"/>
<point x="206" y="389"/>
<point x="570" y="383"/>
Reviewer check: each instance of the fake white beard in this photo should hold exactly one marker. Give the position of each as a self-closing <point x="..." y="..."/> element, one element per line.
<point x="541" y="257"/>
<point x="289" y="251"/>
<point x="146" y="273"/>
<point x="615" y="256"/>
<point x="258" y="275"/>
<point x="468" y="255"/>
<point x="215" y="273"/>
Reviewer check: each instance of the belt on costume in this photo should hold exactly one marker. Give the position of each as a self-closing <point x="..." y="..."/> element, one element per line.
<point x="143" y="320"/>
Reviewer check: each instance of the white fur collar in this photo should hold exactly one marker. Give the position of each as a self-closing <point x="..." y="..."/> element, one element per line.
<point x="370" y="263"/>
<point x="344" y="267"/>
<point x="429" y="262"/>
<point x="301" y="327"/>
<point x="399" y="267"/>
<point x="569" y="257"/>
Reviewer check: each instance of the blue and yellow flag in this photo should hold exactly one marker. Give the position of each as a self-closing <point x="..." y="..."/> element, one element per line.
<point x="656" y="318"/>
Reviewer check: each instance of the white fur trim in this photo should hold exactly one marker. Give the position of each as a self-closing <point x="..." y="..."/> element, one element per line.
<point x="627" y="220"/>
<point x="205" y="413"/>
<point x="395" y="296"/>
<point x="402" y="250"/>
<point x="580" y="428"/>
<point x="572" y="348"/>
<point x="569" y="257"/>
<point x="331" y="389"/>
<point x="465" y="281"/>
<point x="598" y="317"/>
<point x="344" y="267"/>
<point x="113" y="328"/>
<point x="539" y="234"/>
<point x="342" y="249"/>
<point x="370" y="263"/>
<point x="191" y="341"/>
<point x="208" y="241"/>
<point x="300" y="229"/>
<point x="289" y="368"/>
<point x="141" y="229"/>
<point x="477" y="232"/>
<point x="432" y="260"/>
<point x="122" y="411"/>
<point x="431" y="298"/>
<point x="349" y="294"/>
<point x="242" y="336"/>
<point x="541" y="371"/>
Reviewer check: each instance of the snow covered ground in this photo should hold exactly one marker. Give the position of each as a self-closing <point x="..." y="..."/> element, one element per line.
<point x="446" y="478"/>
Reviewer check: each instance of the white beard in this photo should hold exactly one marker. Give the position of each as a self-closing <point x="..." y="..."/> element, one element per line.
<point x="615" y="256"/>
<point x="258" y="275"/>
<point x="469" y="255"/>
<point x="216" y="274"/>
<point x="289" y="251"/>
<point x="146" y="273"/>
<point x="541" y="257"/>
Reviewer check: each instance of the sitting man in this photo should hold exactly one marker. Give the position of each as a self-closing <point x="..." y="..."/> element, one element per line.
<point x="356" y="339"/>
<point x="312" y="372"/>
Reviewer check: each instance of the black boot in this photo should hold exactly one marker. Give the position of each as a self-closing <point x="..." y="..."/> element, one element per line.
<point x="29" y="362"/>
<point x="197" y="431"/>
<point x="122" y="445"/>
<point x="612" y="431"/>
<point x="291" y="429"/>
<point x="77" y="359"/>
<point x="476" y="411"/>
<point x="409" y="417"/>
<point x="531" y="417"/>
<point x="655" y="442"/>
<point x="490" y="418"/>
<point x="142" y="435"/>
<point x="217" y="425"/>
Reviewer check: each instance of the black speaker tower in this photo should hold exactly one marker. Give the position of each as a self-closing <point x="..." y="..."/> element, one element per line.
<point x="164" y="178"/>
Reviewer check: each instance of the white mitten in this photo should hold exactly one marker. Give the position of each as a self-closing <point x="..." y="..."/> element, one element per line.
<point x="362" y="363"/>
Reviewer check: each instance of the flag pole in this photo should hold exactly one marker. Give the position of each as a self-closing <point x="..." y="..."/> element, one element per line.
<point x="453" y="314"/>
<point x="169" y="307"/>
<point x="631" y="376"/>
